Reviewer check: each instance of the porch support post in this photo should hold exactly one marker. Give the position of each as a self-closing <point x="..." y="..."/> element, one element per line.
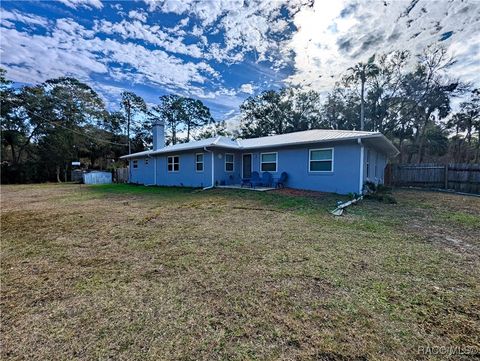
<point x="362" y="151"/>
<point x="213" y="170"/>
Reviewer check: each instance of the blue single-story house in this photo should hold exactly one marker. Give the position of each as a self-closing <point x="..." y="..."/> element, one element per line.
<point x="338" y="161"/>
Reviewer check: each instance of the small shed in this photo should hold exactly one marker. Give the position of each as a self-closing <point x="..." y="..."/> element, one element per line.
<point x="97" y="177"/>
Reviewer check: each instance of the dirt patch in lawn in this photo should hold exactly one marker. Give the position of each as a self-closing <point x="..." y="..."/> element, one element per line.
<point x="300" y="193"/>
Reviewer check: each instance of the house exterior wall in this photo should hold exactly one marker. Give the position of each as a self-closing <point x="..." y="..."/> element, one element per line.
<point x="143" y="173"/>
<point x="374" y="164"/>
<point x="345" y="177"/>
<point x="223" y="177"/>
<point x="187" y="176"/>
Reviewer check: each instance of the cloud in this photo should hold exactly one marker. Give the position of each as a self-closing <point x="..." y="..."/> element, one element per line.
<point x="153" y="34"/>
<point x="89" y="4"/>
<point x="138" y="15"/>
<point x="256" y="26"/>
<point x="29" y="19"/>
<point x="70" y="49"/>
<point x="333" y="36"/>
<point x="247" y="88"/>
<point x="296" y="42"/>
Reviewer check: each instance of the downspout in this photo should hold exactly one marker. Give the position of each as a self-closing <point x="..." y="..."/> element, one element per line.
<point x="155" y="170"/>
<point x="213" y="168"/>
<point x="362" y="151"/>
<point x="129" y="170"/>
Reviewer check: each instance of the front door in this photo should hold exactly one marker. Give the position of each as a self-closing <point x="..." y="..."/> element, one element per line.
<point x="247" y="166"/>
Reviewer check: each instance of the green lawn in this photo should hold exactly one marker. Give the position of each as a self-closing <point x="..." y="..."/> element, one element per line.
<point x="139" y="273"/>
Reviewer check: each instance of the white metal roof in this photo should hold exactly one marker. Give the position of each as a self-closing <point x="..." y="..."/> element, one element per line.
<point x="219" y="141"/>
<point x="374" y="139"/>
<point x="307" y="136"/>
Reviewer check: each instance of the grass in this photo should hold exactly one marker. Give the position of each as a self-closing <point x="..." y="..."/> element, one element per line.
<point x="138" y="273"/>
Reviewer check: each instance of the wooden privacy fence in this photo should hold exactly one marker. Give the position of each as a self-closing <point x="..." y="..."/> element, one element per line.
<point x="461" y="177"/>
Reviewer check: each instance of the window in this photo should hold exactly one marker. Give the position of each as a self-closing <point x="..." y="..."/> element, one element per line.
<point x="321" y="160"/>
<point x="368" y="163"/>
<point x="173" y="163"/>
<point x="135" y="164"/>
<point x="229" y="162"/>
<point x="376" y="165"/>
<point x="199" y="162"/>
<point x="146" y="161"/>
<point x="268" y="162"/>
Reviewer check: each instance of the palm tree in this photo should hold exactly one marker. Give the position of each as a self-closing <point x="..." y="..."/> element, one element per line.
<point x="361" y="72"/>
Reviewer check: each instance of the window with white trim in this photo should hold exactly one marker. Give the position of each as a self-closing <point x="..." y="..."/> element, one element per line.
<point x="376" y="165"/>
<point x="229" y="162"/>
<point x="268" y="162"/>
<point x="173" y="163"/>
<point x="199" y="162"/>
<point x="321" y="160"/>
<point x="135" y="164"/>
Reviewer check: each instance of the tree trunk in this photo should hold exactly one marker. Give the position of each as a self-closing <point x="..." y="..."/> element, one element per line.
<point x="65" y="173"/>
<point x="58" y="174"/>
<point x="477" y="156"/>
<point x="129" y="115"/>
<point x="422" y="138"/>
<point x="469" y="133"/>
<point x="362" y="106"/>
<point x="174" y="136"/>
<point x="14" y="156"/>
<point x="410" y="157"/>
<point x="188" y="132"/>
<point x="400" y="144"/>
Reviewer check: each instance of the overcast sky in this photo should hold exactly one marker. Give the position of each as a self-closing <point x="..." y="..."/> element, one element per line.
<point x="223" y="51"/>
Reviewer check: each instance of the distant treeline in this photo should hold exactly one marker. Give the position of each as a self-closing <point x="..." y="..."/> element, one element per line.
<point x="47" y="126"/>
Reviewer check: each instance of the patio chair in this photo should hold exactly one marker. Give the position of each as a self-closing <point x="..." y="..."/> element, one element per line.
<point x="255" y="181"/>
<point x="267" y="179"/>
<point x="245" y="182"/>
<point x="280" y="183"/>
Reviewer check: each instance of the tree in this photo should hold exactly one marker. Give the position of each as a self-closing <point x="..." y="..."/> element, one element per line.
<point x="214" y="130"/>
<point x="264" y="114"/>
<point x="74" y="104"/>
<point x="180" y="113"/>
<point x="383" y="104"/>
<point x="427" y="93"/>
<point x="194" y="114"/>
<point x="303" y="110"/>
<point x="278" y="112"/>
<point x="470" y="113"/>
<point x="132" y="104"/>
<point x="360" y="73"/>
<point x="169" y="111"/>
<point x="467" y="120"/>
<point x="13" y="127"/>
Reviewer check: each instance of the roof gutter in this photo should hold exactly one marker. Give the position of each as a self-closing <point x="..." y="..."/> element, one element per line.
<point x="213" y="168"/>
